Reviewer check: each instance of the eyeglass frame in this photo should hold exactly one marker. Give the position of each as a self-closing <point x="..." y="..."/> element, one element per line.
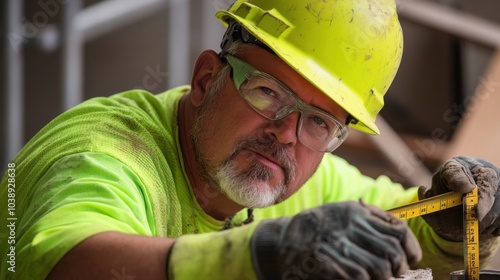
<point x="244" y="71"/>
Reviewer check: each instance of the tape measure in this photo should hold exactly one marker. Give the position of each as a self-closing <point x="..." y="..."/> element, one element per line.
<point x="471" y="235"/>
<point x="471" y="224"/>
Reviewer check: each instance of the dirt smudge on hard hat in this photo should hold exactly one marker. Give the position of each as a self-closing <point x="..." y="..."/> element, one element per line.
<point x="319" y="9"/>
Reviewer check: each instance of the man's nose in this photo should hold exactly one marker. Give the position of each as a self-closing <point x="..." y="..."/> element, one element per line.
<point x="285" y="129"/>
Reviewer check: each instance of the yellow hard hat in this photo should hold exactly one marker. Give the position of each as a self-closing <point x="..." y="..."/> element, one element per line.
<point x="350" y="50"/>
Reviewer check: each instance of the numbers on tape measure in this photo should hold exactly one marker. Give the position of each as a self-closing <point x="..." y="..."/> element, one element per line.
<point x="471" y="224"/>
<point x="471" y="235"/>
<point x="427" y="206"/>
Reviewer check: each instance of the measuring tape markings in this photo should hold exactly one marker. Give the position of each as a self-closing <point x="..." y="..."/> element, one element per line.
<point x="471" y="223"/>
<point x="471" y="235"/>
<point x="427" y="206"/>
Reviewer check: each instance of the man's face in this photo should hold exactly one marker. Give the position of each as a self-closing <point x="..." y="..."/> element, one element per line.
<point x="254" y="161"/>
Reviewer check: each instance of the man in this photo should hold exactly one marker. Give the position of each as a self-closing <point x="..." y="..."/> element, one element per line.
<point x="232" y="177"/>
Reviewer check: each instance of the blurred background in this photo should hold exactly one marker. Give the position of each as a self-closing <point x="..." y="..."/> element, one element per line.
<point x="444" y="100"/>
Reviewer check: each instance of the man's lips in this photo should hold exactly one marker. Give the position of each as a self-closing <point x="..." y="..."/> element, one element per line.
<point x="267" y="158"/>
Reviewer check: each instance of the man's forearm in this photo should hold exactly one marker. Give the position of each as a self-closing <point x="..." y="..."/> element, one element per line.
<point x="115" y="255"/>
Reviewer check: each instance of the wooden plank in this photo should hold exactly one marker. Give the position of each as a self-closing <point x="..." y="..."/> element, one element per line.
<point x="478" y="133"/>
<point x="399" y="154"/>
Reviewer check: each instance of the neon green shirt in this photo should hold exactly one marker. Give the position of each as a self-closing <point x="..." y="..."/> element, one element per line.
<point x="115" y="164"/>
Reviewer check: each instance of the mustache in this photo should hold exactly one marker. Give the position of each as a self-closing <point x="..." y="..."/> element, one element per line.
<point x="270" y="147"/>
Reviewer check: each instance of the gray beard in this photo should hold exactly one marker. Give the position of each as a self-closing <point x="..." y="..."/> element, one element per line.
<point x="249" y="189"/>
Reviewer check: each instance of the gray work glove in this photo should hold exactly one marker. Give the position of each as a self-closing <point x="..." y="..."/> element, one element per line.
<point x="346" y="240"/>
<point x="461" y="174"/>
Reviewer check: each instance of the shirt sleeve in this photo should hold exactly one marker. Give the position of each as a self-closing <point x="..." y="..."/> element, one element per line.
<point x="79" y="196"/>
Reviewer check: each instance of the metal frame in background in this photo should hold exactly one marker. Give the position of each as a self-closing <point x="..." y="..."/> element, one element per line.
<point x="78" y="26"/>
<point x="14" y="89"/>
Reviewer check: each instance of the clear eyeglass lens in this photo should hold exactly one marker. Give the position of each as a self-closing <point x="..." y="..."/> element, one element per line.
<point x="316" y="129"/>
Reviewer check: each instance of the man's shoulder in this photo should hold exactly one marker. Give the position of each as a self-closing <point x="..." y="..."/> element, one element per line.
<point x="331" y="164"/>
<point x="131" y="126"/>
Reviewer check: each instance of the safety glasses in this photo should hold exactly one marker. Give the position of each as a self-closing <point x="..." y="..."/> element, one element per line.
<point x="271" y="99"/>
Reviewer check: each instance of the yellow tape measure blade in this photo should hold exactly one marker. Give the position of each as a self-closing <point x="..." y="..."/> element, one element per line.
<point x="471" y="235"/>
<point x="471" y="224"/>
<point x="427" y="206"/>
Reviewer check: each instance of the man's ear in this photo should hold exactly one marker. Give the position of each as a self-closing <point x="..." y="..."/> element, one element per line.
<point x="206" y="68"/>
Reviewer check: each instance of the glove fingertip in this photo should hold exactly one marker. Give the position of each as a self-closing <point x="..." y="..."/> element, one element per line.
<point x="457" y="177"/>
